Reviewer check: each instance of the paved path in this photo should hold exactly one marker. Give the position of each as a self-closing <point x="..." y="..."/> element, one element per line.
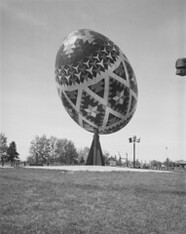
<point x="94" y="168"/>
<point x="6" y="167"/>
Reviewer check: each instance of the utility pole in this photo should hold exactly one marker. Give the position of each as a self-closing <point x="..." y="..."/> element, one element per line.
<point x="134" y="140"/>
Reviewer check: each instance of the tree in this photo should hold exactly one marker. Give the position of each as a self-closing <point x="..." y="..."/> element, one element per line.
<point x="83" y="154"/>
<point x="53" y="157"/>
<point x="106" y="157"/>
<point x="155" y="164"/>
<point x="40" y="149"/>
<point x="168" y="163"/>
<point x="50" y="150"/>
<point x="66" y="152"/>
<point x="12" y="152"/>
<point x="3" y="145"/>
<point x="119" y="162"/>
<point x="30" y="159"/>
<point x="71" y="153"/>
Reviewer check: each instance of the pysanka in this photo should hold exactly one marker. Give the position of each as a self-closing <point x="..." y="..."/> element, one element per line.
<point x="95" y="82"/>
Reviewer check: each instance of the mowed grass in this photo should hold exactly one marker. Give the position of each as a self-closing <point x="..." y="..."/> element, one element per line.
<point x="46" y="201"/>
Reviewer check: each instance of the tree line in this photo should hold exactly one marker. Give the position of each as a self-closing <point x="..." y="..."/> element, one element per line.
<point x="53" y="150"/>
<point x="7" y="153"/>
<point x="44" y="150"/>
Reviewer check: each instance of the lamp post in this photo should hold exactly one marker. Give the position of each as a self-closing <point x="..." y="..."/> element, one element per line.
<point x="134" y="140"/>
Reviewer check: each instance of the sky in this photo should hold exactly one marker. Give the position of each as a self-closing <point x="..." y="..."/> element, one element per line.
<point x="151" y="33"/>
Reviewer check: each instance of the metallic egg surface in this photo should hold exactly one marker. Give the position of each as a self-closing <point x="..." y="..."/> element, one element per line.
<point x="95" y="82"/>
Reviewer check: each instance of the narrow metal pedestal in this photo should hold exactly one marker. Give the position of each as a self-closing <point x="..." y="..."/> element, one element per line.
<point x="95" y="156"/>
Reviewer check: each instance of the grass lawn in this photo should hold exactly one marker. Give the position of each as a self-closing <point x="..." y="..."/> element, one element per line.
<point x="49" y="201"/>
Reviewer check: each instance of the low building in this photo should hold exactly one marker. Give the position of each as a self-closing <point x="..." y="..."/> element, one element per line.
<point x="181" y="163"/>
<point x="112" y="161"/>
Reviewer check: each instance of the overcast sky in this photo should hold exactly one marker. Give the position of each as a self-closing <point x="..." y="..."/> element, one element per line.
<point x="152" y="34"/>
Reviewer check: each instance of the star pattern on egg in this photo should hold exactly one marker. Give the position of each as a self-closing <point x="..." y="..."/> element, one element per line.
<point x="96" y="82"/>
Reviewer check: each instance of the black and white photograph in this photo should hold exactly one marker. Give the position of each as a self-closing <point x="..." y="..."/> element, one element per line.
<point x="92" y="116"/>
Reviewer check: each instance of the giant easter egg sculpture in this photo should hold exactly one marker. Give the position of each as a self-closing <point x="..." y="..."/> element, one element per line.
<point x="95" y="82"/>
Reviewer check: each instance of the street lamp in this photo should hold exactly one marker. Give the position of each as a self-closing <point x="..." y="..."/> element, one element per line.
<point x="134" y="140"/>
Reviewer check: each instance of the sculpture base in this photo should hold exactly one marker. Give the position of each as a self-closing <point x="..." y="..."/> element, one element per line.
<point x="95" y="156"/>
